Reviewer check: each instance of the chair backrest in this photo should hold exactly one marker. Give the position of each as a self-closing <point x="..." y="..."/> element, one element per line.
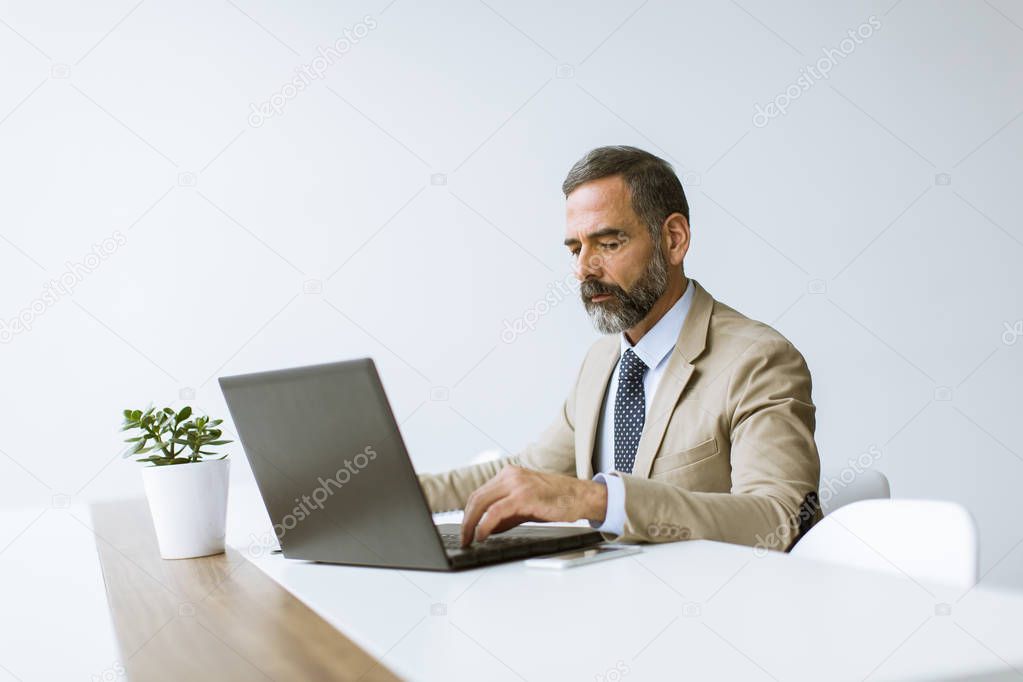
<point x="836" y="491"/>
<point x="928" y="540"/>
<point x="485" y="456"/>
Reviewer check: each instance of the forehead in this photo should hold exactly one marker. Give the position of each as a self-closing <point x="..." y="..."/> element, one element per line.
<point x="605" y="198"/>
<point x="596" y="206"/>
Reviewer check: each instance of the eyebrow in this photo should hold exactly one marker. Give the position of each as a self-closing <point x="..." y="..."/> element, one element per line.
<point x="603" y="232"/>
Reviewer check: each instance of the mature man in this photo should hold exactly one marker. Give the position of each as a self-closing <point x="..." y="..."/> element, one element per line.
<point x="698" y="420"/>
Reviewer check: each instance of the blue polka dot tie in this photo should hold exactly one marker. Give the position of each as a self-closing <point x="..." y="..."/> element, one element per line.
<point x="630" y="410"/>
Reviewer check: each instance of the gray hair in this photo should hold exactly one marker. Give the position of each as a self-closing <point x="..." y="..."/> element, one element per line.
<point x="654" y="189"/>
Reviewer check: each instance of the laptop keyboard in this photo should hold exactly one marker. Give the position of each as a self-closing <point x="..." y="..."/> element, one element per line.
<point x="454" y="541"/>
<point x="519" y="543"/>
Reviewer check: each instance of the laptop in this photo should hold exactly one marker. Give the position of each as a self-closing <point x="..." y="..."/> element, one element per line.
<point x="337" y="481"/>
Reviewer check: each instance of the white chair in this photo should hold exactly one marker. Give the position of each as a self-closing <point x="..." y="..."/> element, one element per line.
<point x="836" y="491"/>
<point x="928" y="540"/>
<point x="485" y="456"/>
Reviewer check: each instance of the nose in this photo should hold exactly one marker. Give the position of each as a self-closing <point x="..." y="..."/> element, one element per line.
<point x="588" y="265"/>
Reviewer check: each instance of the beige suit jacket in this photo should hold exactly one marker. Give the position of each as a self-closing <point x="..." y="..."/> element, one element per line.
<point x="727" y="451"/>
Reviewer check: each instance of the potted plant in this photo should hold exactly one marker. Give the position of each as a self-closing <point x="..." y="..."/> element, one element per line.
<point x="187" y="494"/>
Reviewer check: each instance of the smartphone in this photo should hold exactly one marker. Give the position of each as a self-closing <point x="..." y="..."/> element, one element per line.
<point x="578" y="557"/>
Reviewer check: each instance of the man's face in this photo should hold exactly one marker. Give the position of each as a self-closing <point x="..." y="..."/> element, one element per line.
<point x="621" y="269"/>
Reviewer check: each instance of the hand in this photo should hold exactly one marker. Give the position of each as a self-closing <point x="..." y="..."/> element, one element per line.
<point x="517" y="495"/>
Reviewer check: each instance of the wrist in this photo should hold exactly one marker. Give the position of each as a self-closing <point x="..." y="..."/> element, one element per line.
<point x="594" y="501"/>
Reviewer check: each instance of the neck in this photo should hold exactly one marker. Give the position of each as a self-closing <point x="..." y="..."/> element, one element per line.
<point x="676" y="287"/>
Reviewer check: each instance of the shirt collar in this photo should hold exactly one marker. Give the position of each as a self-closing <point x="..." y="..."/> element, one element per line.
<point x="657" y="343"/>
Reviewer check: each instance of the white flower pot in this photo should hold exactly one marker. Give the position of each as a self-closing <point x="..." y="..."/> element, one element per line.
<point x="188" y="503"/>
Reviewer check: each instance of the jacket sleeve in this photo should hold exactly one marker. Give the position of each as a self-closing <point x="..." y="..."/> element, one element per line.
<point x="775" y="468"/>
<point x="553" y="452"/>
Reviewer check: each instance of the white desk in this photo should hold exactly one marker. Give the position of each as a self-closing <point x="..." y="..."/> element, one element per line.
<point x="698" y="610"/>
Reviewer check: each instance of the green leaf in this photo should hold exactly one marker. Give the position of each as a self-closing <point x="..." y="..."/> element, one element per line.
<point x="167" y="437"/>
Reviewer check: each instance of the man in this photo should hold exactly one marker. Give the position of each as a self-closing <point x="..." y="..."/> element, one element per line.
<point x="697" y="420"/>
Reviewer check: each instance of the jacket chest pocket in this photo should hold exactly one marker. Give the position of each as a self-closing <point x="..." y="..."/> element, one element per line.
<point x="697" y="453"/>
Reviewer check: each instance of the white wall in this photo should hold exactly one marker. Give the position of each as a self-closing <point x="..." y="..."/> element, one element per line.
<point x="133" y="123"/>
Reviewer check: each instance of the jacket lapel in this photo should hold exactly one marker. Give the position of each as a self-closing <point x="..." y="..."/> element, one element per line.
<point x="691" y="342"/>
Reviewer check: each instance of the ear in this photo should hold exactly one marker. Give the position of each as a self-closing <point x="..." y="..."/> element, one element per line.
<point x="676" y="234"/>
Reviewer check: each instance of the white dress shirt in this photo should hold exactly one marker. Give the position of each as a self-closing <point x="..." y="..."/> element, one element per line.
<point x="653" y="349"/>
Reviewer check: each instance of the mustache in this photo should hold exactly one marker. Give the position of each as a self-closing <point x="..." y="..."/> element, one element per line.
<point x="592" y="287"/>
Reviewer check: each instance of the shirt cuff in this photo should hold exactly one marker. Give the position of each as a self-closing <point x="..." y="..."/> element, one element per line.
<point x="614" y="517"/>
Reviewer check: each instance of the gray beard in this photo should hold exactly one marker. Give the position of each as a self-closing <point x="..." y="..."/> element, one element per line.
<point x="626" y="308"/>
